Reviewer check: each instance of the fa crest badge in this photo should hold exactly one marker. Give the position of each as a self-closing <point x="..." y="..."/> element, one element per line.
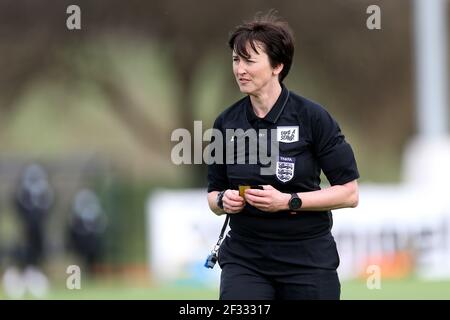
<point x="285" y="169"/>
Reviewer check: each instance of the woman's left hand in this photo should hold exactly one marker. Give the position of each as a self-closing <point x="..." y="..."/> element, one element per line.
<point x="269" y="199"/>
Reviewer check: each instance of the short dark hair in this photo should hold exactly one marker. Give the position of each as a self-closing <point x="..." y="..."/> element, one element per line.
<point x="275" y="35"/>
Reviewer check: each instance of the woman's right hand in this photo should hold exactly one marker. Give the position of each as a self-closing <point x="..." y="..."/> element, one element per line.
<point x="232" y="201"/>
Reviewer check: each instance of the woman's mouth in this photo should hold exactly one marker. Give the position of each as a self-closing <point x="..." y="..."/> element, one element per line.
<point x="243" y="80"/>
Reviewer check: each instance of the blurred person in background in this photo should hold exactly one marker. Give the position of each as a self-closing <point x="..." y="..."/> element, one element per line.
<point x="86" y="229"/>
<point x="33" y="200"/>
<point x="280" y="244"/>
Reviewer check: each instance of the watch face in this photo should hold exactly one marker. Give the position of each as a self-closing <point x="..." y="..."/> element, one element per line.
<point x="295" y="203"/>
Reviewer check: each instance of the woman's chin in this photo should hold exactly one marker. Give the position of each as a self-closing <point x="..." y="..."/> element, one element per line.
<point x="244" y="89"/>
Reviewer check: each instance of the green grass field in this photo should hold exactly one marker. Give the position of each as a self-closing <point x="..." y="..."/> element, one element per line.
<point x="351" y="290"/>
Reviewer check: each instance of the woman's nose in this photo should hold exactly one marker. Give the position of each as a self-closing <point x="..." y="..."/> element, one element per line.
<point x="240" y="68"/>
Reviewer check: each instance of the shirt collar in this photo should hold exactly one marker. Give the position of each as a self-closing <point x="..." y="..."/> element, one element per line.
<point x="276" y="110"/>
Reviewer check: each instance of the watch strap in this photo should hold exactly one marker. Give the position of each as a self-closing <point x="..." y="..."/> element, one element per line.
<point x="219" y="200"/>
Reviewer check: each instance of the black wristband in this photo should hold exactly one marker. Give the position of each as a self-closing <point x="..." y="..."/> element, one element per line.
<point x="219" y="200"/>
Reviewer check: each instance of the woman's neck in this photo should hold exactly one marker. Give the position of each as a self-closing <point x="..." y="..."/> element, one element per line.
<point x="263" y="101"/>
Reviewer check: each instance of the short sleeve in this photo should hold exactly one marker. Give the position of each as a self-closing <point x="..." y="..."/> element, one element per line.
<point x="217" y="173"/>
<point x="335" y="155"/>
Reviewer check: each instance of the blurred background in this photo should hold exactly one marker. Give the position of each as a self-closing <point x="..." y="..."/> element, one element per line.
<point x="86" y="118"/>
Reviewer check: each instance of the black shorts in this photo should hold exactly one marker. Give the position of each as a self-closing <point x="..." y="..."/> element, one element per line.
<point x="259" y="270"/>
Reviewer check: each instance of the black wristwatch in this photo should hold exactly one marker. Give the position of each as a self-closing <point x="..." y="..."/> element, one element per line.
<point x="219" y="198"/>
<point x="295" y="202"/>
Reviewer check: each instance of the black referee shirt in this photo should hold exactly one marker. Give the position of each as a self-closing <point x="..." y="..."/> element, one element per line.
<point x="310" y="140"/>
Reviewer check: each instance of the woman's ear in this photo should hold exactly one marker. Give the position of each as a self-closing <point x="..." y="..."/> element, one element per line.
<point x="276" y="71"/>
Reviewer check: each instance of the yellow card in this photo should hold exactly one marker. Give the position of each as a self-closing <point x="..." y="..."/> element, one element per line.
<point x="242" y="190"/>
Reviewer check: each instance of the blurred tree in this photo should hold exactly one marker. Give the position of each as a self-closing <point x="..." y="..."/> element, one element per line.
<point x="368" y="71"/>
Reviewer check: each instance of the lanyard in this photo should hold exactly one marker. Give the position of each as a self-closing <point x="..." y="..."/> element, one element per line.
<point x="212" y="258"/>
<point x="222" y="232"/>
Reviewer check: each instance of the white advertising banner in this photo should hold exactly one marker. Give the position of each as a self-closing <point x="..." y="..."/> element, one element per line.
<point x="401" y="230"/>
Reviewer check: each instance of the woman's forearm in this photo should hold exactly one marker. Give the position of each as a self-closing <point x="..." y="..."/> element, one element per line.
<point x="334" y="197"/>
<point x="212" y="197"/>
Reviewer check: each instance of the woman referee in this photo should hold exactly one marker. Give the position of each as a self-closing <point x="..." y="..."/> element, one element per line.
<point x="280" y="244"/>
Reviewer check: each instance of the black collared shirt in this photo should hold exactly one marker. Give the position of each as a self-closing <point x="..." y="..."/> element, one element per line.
<point x="310" y="140"/>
